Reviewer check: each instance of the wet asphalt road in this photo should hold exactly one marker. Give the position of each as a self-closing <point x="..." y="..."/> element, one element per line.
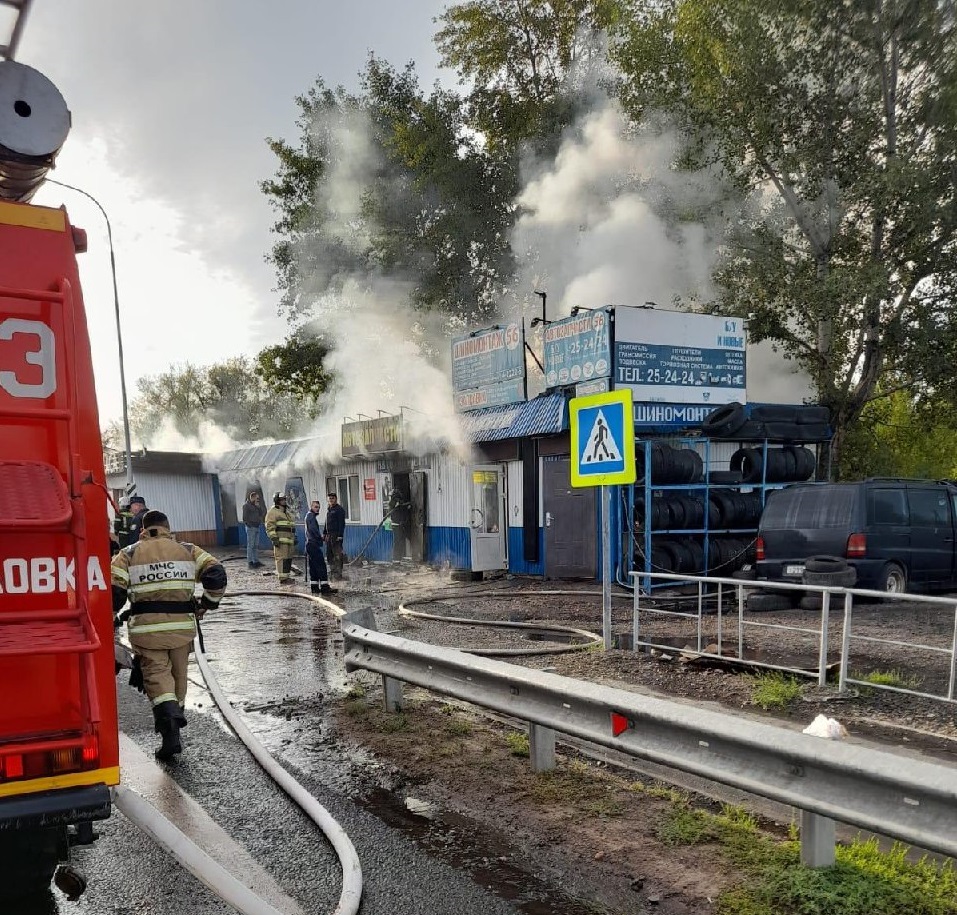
<point x="275" y="658"/>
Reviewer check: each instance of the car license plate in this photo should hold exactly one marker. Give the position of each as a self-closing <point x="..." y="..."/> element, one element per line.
<point x="794" y="570"/>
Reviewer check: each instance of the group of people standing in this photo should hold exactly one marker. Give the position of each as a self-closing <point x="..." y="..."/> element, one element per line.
<point x="280" y="524"/>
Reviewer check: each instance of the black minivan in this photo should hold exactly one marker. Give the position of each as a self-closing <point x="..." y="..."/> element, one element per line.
<point x="897" y="534"/>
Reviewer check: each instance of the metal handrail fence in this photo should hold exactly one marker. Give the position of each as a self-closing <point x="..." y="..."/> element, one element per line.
<point x="893" y="794"/>
<point x="830" y="597"/>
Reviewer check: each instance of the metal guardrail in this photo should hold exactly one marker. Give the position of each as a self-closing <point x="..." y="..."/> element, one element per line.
<point x="831" y="597"/>
<point x="890" y="794"/>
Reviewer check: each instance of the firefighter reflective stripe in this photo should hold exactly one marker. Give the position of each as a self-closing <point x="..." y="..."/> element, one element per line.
<point x="172" y="570"/>
<point x="184" y="625"/>
<point x="143" y="592"/>
<point x="121" y="576"/>
<point x="202" y="559"/>
<point x="165" y="697"/>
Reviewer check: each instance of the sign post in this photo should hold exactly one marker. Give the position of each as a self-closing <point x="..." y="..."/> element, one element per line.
<point x="603" y="454"/>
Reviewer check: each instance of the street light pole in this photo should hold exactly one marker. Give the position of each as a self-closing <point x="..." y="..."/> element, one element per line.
<point x="119" y="332"/>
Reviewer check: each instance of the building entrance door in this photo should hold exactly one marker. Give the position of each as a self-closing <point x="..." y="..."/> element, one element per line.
<point x="571" y="547"/>
<point x="487" y="521"/>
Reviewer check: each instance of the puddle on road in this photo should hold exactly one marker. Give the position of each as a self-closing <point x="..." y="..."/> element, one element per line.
<point x="469" y="847"/>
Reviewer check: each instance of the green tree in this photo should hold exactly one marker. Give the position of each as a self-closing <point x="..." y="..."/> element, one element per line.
<point x="837" y="125"/>
<point x="296" y="367"/>
<point x="901" y="436"/>
<point x="388" y="185"/>
<point x="524" y="61"/>
<point x="228" y="395"/>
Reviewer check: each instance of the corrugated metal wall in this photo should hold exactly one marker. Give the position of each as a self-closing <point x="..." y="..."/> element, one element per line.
<point x="450" y="492"/>
<point x="188" y="501"/>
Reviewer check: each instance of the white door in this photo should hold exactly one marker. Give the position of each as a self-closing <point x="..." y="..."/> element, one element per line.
<point x="488" y="520"/>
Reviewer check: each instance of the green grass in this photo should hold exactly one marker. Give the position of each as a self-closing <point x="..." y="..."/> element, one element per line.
<point x="392" y="724"/>
<point x="890" y="678"/>
<point x="356" y="691"/>
<point x="575" y="785"/>
<point x="356" y="708"/>
<point x="517" y="744"/>
<point x="864" y="880"/>
<point x="458" y="727"/>
<point x="774" y="690"/>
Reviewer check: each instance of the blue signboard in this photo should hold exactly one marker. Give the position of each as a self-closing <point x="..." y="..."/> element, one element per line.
<point x="488" y="357"/>
<point x="490" y="396"/>
<point x="680" y="357"/>
<point x="671" y="415"/>
<point x="577" y="349"/>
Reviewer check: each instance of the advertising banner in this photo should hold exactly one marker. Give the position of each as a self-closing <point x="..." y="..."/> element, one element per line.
<point x="487" y="357"/>
<point x="491" y="396"/>
<point x="372" y="436"/>
<point x="488" y="367"/>
<point x="674" y="415"/>
<point x="577" y="349"/>
<point x="680" y="358"/>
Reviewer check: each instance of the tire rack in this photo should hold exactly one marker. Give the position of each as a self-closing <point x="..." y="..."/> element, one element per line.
<point x="702" y="445"/>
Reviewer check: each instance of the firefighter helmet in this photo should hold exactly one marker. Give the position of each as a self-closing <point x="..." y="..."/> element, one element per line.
<point x="277" y="497"/>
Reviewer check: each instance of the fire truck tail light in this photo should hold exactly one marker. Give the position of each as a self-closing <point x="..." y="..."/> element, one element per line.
<point x="11" y="766"/>
<point x="857" y="546"/>
<point x="63" y="760"/>
<point x="759" y="548"/>
<point x="91" y="750"/>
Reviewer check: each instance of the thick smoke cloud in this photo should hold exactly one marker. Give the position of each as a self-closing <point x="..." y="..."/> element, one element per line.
<point x="591" y="232"/>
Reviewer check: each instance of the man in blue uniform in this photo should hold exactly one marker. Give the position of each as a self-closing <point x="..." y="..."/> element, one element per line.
<point x="318" y="574"/>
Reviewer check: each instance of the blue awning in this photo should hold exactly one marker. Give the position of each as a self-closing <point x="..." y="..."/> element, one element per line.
<point x="545" y="415"/>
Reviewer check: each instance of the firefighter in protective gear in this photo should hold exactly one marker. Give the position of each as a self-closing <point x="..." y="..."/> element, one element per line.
<point x="158" y="575"/>
<point x="281" y="530"/>
<point x="128" y="524"/>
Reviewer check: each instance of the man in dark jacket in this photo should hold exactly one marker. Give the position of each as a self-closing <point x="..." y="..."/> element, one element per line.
<point x="400" y="511"/>
<point x="129" y="522"/>
<point x="334" y="534"/>
<point x="253" y="516"/>
<point x="318" y="574"/>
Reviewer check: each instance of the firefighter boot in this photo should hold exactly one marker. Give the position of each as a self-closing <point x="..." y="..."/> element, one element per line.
<point x="166" y="716"/>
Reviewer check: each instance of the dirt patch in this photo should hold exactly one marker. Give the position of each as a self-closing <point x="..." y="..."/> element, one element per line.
<point x="590" y="830"/>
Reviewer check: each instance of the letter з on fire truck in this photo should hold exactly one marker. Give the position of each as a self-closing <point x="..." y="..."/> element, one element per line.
<point x="59" y="750"/>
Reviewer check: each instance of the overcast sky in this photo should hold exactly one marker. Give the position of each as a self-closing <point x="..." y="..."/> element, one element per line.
<point x="171" y="105"/>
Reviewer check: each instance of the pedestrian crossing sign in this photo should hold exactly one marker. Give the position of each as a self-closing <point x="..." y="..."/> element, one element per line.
<point x="603" y="439"/>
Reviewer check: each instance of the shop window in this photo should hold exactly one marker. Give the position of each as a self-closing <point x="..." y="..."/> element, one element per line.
<point x="347" y="488"/>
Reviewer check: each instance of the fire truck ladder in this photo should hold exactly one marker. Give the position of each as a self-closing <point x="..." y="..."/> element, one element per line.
<point x="35" y="498"/>
<point x="20" y="9"/>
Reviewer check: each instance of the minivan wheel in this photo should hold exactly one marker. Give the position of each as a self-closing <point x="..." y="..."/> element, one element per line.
<point x="893" y="579"/>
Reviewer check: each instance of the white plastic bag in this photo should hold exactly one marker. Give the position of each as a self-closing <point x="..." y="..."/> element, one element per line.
<point x="828" y="728"/>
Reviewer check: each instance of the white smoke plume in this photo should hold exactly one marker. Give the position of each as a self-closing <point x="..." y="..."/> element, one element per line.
<point x="210" y="440"/>
<point x="611" y="222"/>
<point x="590" y="232"/>
<point x="386" y="356"/>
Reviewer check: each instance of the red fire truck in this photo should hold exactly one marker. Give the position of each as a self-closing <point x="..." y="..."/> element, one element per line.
<point x="59" y="746"/>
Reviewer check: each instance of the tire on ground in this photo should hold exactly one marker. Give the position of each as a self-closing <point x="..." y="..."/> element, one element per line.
<point x="764" y="601"/>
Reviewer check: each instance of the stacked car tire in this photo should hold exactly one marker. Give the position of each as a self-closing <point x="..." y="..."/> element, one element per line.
<point x="832" y="571"/>
<point x="772" y="422"/>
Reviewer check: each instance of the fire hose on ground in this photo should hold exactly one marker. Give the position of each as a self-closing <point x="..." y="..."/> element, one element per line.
<point x="201" y="865"/>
